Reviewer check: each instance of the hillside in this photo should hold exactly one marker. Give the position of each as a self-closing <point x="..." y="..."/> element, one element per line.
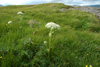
<point x="93" y="10"/>
<point x="0" y="5"/>
<point x="76" y="44"/>
<point x="95" y="6"/>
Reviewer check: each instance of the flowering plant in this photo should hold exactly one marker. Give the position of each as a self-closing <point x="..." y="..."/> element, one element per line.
<point x="52" y="26"/>
<point x="20" y="13"/>
<point x="9" y="22"/>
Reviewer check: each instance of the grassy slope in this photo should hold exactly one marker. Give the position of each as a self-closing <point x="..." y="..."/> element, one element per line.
<point x="75" y="45"/>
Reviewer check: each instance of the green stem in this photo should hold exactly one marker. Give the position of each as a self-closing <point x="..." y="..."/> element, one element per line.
<point x="50" y="39"/>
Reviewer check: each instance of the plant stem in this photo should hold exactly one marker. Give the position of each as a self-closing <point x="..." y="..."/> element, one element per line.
<point x="50" y="39"/>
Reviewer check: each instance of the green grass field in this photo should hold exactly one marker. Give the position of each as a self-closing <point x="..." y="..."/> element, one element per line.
<point x="77" y="44"/>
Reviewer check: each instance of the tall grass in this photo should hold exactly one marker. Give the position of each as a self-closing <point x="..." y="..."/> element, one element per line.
<point x="76" y="45"/>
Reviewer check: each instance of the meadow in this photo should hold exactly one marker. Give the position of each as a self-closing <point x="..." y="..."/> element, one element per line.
<point x="76" y="44"/>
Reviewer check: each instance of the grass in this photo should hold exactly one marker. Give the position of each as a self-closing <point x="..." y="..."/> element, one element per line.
<point x="77" y="44"/>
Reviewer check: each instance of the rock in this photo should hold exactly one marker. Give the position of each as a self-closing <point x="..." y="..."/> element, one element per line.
<point x="93" y="10"/>
<point x="98" y="15"/>
<point x="62" y="9"/>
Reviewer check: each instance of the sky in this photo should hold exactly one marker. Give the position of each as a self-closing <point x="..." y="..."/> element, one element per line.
<point x="67" y="2"/>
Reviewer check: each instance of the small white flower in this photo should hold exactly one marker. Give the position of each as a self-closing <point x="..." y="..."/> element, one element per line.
<point x="20" y="13"/>
<point x="52" y="25"/>
<point x="9" y="22"/>
<point x="45" y="42"/>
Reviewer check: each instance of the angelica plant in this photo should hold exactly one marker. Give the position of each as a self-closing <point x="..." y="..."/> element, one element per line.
<point x="20" y="13"/>
<point x="9" y="22"/>
<point x="52" y="26"/>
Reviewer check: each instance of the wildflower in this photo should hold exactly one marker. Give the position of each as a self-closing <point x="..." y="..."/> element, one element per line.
<point x="0" y="56"/>
<point x="31" y="23"/>
<point x="9" y="22"/>
<point x="86" y="65"/>
<point x="45" y="42"/>
<point x="52" y="25"/>
<point x="34" y="32"/>
<point x="20" y="13"/>
<point x="90" y="65"/>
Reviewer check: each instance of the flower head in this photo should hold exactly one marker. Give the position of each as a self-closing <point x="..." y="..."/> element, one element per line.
<point x="90" y="65"/>
<point x="86" y="65"/>
<point x="0" y="56"/>
<point x="45" y="42"/>
<point x="52" y="25"/>
<point x="9" y="22"/>
<point x="20" y="13"/>
<point x="34" y="32"/>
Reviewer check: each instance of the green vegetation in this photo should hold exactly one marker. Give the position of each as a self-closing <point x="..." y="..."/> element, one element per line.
<point x="77" y="44"/>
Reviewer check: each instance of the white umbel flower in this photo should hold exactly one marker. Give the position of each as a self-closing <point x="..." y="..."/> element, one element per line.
<point x="45" y="42"/>
<point x="9" y="22"/>
<point x="52" y="25"/>
<point x="20" y="13"/>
